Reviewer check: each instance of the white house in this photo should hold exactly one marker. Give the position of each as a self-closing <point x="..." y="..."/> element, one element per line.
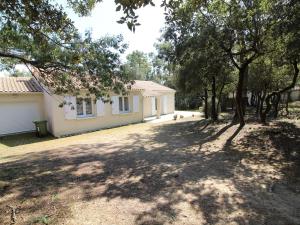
<point x="22" y="100"/>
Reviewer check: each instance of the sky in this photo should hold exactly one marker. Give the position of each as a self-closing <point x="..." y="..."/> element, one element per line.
<point x="103" y="21"/>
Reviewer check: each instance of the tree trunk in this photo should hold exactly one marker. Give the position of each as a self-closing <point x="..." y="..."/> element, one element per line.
<point x="263" y="114"/>
<point x="205" y="104"/>
<point x="253" y="100"/>
<point x="275" y="104"/>
<point x="277" y="94"/>
<point x="287" y="103"/>
<point x="261" y="107"/>
<point x="239" y="96"/>
<point x="223" y="104"/>
<point x="214" y="114"/>
<point x="245" y="90"/>
<point x="232" y="102"/>
<point x="220" y="94"/>
<point x="258" y="100"/>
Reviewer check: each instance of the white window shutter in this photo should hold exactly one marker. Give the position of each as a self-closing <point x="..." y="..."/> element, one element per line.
<point x="165" y="105"/>
<point x="136" y="103"/>
<point x="115" y="104"/>
<point x="153" y="105"/>
<point x="70" y="107"/>
<point x="100" y="105"/>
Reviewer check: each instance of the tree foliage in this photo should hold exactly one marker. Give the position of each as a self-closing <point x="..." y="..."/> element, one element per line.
<point x="137" y="66"/>
<point x="154" y="66"/>
<point x="246" y="31"/>
<point x="40" y="35"/>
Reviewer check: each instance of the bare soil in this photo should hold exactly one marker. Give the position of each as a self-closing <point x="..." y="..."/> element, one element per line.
<point x="180" y="172"/>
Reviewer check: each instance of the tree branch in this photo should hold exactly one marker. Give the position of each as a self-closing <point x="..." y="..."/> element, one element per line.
<point x="296" y="73"/>
<point x="14" y="56"/>
<point x="42" y="33"/>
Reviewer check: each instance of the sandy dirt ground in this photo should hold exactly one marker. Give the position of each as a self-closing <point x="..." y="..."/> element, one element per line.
<point x="178" y="172"/>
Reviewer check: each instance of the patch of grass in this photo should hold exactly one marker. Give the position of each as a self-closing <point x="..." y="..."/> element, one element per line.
<point x="41" y="220"/>
<point x="55" y="197"/>
<point x="6" y="175"/>
<point x="294" y="110"/>
<point x="294" y="106"/>
<point x="22" y="139"/>
<point x="3" y="186"/>
<point x="9" y="173"/>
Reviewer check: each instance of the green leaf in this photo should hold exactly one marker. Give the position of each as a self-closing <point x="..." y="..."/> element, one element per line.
<point x="118" y="8"/>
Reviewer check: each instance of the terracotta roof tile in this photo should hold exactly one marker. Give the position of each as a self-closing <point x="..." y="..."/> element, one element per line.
<point x="19" y="85"/>
<point x="29" y="85"/>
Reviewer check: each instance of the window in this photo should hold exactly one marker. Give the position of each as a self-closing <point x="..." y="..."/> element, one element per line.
<point x="155" y="103"/>
<point x="120" y="104"/>
<point x="88" y="106"/>
<point x="79" y="103"/>
<point x="84" y="107"/>
<point x="126" y="104"/>
<point x="123" y="104"/>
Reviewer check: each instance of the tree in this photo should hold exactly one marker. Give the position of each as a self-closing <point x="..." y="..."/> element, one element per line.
<point x="42" y="37"/>
<point x="137" y="66"/>
<point x="157" y="68"/>
<point x="285" y="50"/>
<point x="239" y="28"/>
<point x="203" y="65"/>
<point x="163" y="68"/>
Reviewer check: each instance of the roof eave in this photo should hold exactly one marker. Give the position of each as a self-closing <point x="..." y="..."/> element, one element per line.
<point x="13" y="93"/>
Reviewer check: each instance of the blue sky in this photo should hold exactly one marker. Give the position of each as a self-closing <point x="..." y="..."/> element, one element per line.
<point x="103" y="19"/>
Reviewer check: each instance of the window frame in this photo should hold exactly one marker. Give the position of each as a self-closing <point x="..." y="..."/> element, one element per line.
<point x="77" y="102"/>
<point x="84" y="104"/>
<point x="122" y="104"/>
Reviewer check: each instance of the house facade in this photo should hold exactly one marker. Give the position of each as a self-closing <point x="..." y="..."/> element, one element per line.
<point x="23" y="100"/>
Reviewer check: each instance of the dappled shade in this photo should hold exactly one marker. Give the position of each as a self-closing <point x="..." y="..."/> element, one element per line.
<point x="179" y="172"/>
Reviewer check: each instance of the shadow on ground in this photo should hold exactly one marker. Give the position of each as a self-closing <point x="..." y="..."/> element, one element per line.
<point x="186" y="171"/>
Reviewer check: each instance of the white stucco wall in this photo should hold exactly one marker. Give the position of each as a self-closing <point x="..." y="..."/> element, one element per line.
<point x="170" y="103"/>
<point x="147" y="106"/>
<point x="61" y="126"/>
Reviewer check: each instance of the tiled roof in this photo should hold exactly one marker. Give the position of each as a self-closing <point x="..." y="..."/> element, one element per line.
<point x="19" y="85"/>
<point x="149" y="86"/>
<point x="29" y="85"/>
